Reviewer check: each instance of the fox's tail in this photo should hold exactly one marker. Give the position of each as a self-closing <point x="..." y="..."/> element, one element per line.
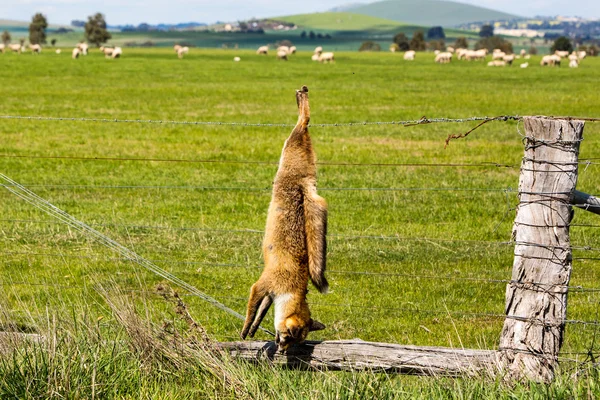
<point x="315" y="213"/>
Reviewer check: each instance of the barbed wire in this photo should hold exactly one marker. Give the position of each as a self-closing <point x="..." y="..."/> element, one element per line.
<point x="470" y="278"/>
<point x="414" y="122"/>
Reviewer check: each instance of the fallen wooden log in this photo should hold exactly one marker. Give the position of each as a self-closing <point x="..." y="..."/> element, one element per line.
<point x="358" y="355"/>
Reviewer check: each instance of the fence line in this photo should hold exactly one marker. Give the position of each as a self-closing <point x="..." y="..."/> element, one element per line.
<point x="422" y="121"/>
<point x="542" y="286"/>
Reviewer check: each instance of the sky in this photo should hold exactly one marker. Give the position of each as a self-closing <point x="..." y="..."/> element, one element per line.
<point x="121" y="12"/>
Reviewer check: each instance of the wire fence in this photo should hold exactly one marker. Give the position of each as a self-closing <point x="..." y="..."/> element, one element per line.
<point x="221" y="301"/>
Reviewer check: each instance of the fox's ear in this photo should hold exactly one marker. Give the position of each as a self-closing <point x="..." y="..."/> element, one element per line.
<point x="316" y="325"/>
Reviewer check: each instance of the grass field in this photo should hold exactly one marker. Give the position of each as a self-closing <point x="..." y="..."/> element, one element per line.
<point x="193" y="199"/>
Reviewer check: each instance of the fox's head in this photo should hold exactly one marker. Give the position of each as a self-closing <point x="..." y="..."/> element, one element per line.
<point x="295" y="330"/>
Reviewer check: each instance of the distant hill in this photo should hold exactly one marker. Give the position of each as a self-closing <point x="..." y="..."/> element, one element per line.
<point x="431" y="12"/>
<point x="340" y="21"/>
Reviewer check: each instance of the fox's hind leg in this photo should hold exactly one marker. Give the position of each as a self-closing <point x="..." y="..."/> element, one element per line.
<point x="258" y="305"/>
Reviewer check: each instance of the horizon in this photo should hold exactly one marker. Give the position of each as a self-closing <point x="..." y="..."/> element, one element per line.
<point x="154" y="12"/>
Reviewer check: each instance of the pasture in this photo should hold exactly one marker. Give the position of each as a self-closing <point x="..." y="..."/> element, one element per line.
<point x="418" y="243"/>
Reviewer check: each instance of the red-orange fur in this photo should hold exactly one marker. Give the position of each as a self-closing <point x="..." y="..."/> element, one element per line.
<point x="294" y="245"/>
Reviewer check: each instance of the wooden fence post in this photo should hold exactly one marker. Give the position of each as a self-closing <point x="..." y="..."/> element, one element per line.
<point x="536" y="297"/>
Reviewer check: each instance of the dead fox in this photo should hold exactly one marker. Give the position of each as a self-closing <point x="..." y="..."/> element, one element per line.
<point x="295" y="244"/>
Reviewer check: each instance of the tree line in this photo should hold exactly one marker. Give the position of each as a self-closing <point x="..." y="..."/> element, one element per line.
<point x="95" y="30"/>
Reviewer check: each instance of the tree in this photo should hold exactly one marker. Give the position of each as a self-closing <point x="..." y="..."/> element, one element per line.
<point x="533" y="50"/>
<point x="494" y="42"/>
<point x="436" y="32"/>
<point x="486" y="31"/>
<point x="437" y="45"/>
<point x="417" y="42"/>
<point x="37" y="29"/>
<point x="369" y="46"/>
<point x="311" y="35"/>
<point x="53" y="42"/>
<point x="303" y="35"/>
<point x="95" y="30"/>
<point x="5" y="37"/>
<point x="461" y="43"/>
<point x="402" y="41"/>
<point x="562" y="43"/>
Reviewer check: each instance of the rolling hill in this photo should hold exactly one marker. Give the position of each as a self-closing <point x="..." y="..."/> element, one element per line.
<point x="430" y="12"/>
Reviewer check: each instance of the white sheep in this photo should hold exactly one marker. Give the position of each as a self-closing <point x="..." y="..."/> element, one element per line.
<point x="443" y="58"/>
<point x="282" y="55"/>
<point x="581" y="54"/>
<point x="523" y="52"/>
<point x="573" y="56"/>
<point x="436" y="52"/>
<point x="107" y="51"/>
<point x="315" y="57"/>
<point x="76" y="52"/>
<point x="262" y="50"/>
<point x="58" y="51"/>
<point x="117" y="52"/>
<point x="498" y="55"/>
<point x="236" y="59"/>
<point x="83" y="47"/>
<point x="496" y="63"/>
<point x="326" y="57"/>
<point x="461" y="53"/>
<point x="474" y="55"/>
<point x="182" y="51"/>
<point x="409" y="55"/>
<point x="561" y="54"/>
<point x="551" y="60"/>
<point x="573" y="64"/>
<point x="2" y="47"/>
<point x="508" y="58"/>
<point x="292" y="50"/>
<point x="35" y="48"/>
<point x="450" y="49"/>
<point x="16" y="47"/>
<point x="318" y="50"/>
<point x="524" y="65"/>
<point x="177" y="47"/>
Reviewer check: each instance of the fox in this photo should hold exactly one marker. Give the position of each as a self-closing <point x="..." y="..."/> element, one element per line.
<point x="294" y="246"/>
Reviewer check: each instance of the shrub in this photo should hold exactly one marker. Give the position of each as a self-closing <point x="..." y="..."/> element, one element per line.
<point x="562" y="43"/>
<point x="369" y="46"/>
<point x="533" y="50"/>
<point x="461" y="42"/>
<point x="402" y="41"/>
<point x="494" y="42"/>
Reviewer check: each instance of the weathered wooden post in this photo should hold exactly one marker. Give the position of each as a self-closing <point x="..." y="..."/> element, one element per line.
<point x="536" y="297"/>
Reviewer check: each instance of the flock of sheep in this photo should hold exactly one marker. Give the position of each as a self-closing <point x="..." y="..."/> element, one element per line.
<point x="500" y="58"/>
<point x="284" y="51"/>
<point x="18" y="48"/>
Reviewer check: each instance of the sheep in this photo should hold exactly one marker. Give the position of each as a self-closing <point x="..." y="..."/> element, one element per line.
<point x="443" y="58"/>
<point x="561" y="54"/>
<point x="83" y="48"/>
<point x="2" y="47"/>
<point x="508" y="58"/>
<point x="177" y="47"/>
<point x="523" y="52"/>
<point x="107" y="51"/>
<point x="498" y="55"/>
<point x="524" y="65"/>
<point x="573" y="64"/>
<point x="496" y="63"/>
<point x="315" y="57"/>
<point x="76" y="52"/>
<point x="284" y="48"/>
<point x="450" y="49"/>
<point x="262" y="50"/>
<point x="318" y="50"/>
<point x="236" y="59"/>
<point x="573" y="57"/>
<point x="527" y="56"/>
<point x="117" y="52"/>
<point x="436" y="52"/>
<point x="292" y="50"/>
<point x="16" y="48"/>
<point x="58" y="51"/>
<point x="35" y="48"/>
<point x="182" y="51"/>
<point x="409" y="55"/>
<point x="326" y="57"/>
<point x="282" y="55"/>
<point x="551" y="60"/>
<point x="476" y="54"/>
<point x="461" y="53"/>
<point x="581" y="54"/>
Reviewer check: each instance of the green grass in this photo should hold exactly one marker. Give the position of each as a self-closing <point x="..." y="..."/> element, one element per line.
<point x="340" y="21"/>
<point x="209" y="213"/>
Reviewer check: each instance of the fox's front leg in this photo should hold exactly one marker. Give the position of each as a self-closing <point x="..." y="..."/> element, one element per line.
<point x="303" y="108"/>
<point x="258" y="305"/>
